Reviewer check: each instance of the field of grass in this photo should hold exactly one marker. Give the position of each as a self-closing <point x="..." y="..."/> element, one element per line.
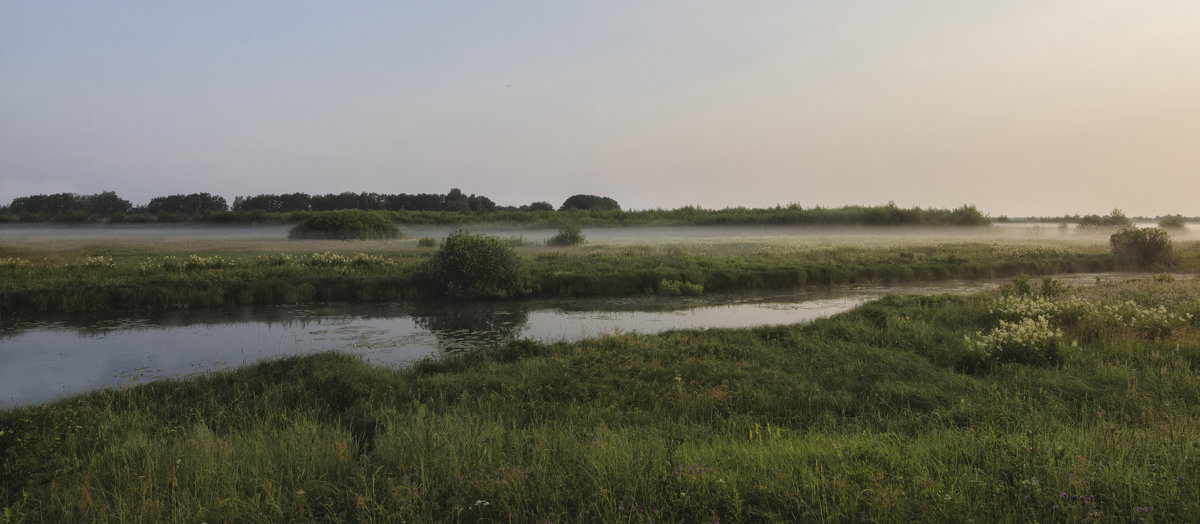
<point x="103" y="277"/>
<point x="907" y="408"/>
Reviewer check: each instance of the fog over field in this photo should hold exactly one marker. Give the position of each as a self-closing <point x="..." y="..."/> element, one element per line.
<point x="274" y="237"/>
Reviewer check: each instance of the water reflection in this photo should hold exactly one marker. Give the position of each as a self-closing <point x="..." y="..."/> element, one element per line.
<point x="459" y="328"/>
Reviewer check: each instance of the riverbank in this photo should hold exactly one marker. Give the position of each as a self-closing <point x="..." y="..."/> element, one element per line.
<point x="106" y="277"/>
<point x="907" y="408"/>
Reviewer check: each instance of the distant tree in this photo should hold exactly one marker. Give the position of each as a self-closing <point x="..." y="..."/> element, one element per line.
<point x="968" y="215"/>
<point x="106" y="204"/>
<point x="273" y="203"/>
<point x="1172" y="222"/>
<point x="590" y="203"/>
<point x="481" y="203"/>
<point x="189" y="205"/>
<point x="1115" y="218"/>
<point x="47" y="205"/>
<point x="455" y="200"/>
<point x="541" y="206"/>
<point x="69" y="207"/>
<point x="426" y="202"/>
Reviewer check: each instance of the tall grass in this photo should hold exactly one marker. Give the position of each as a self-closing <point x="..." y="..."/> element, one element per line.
<point x="870" y="415"/>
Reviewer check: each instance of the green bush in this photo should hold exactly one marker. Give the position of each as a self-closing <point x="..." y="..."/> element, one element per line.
<point x="427" y="242"/>
<point x="1142" y="248"/>
<point x="471" y="266"/>
<point x="1172" y="222"/>
<point x="344" y="224"/>
<point x="567" y="236"/>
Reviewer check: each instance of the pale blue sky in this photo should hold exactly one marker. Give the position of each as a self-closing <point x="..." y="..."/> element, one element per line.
<point x="1022" y="107"/>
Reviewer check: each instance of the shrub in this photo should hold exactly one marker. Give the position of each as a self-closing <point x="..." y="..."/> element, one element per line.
<point x="678" y="287"/>
<point x="1051" y="288"/>
<point x="1027" y="341"/>
<point x="470" y="266"/>
<point x="567" y="236"/>
<point x="1172" y="222"/>
<point x="1142" y="248"/>
<point x="344" y="224"/>
<point x="1020" y="286"/>
<point x="427" y="242"/>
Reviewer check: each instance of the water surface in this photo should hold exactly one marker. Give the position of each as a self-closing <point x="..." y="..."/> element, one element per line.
<point x="50" y="357"/>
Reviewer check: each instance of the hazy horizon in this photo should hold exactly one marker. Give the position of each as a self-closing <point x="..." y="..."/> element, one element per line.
<point x="1021" y="108"/>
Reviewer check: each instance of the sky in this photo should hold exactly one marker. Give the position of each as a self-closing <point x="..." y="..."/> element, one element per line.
<point x="1022" y="108"/>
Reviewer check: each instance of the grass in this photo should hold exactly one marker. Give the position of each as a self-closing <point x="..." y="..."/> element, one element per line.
<point x="38" y="279"/>
<point x="878" y="414"/>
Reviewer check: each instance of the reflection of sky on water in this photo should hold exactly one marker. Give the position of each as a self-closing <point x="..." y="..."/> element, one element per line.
<point x="51" y="357"/>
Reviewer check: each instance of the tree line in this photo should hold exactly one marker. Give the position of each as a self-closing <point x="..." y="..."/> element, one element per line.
<point x="454" y="207"/>
<point x="71" y="207"/>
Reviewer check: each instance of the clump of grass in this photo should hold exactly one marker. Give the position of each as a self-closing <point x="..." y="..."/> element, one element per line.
<point x="345" y="224"/>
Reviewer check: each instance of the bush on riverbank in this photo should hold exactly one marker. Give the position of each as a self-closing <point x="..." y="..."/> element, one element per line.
<point x="1142" y="248"/>
<point x="868" y="415"/>
<point x="475" y="266"/>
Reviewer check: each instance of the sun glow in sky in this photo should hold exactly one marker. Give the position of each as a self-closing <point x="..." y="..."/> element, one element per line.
<point x="1021" y="108"/>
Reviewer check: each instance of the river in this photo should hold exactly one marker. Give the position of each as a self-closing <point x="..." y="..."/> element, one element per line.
<point x="50" y="357"/>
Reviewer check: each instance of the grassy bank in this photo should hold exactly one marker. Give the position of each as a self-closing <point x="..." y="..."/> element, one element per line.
<point x="904" y="409"/>
<point x="104" y="278"/>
